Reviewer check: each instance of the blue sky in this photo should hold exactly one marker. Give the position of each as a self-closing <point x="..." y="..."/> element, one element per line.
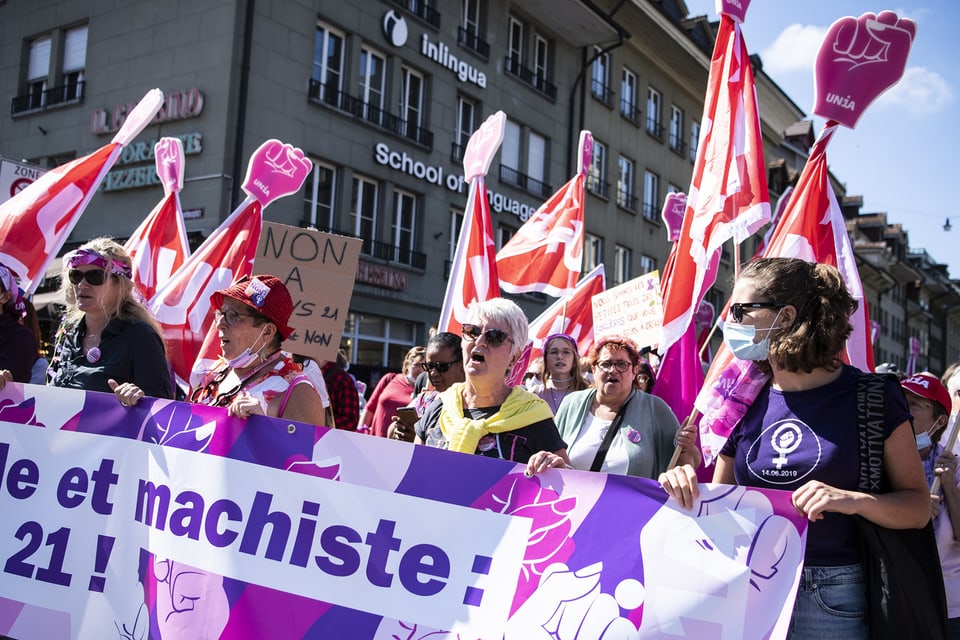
<point x="899" y="158"/>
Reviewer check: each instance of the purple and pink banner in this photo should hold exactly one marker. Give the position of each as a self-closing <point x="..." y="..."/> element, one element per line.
<point x="172" y="520"/>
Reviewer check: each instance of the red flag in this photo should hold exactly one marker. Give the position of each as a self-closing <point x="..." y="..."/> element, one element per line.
<point x="813" y="228"/>
<point x="473" y="275"/>
<point x="158" y="248"/>
<point x="545" y="255"/>
<point x="36" y="222"/>
<point x="728" y="192"/>
<point x="572" y="315"/>
<point x="182" y="304"/>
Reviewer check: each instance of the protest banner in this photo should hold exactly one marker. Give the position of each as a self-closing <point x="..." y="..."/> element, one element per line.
<point x="319" y="269"/>
<point x="171" y="520"/>
<point x="631" y="309"/>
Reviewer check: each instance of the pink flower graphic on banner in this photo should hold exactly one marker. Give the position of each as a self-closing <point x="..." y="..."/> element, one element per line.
<point x="178" y="427"/>
<point x="22" y="413"/>
<point x="169" y="159"/>
<point x="275" y="170"/>
<point x="859" y="59"/>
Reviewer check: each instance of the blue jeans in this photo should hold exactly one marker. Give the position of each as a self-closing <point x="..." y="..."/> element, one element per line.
<point x="831" y="603"/>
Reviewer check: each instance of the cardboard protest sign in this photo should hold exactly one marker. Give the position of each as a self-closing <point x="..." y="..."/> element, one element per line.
<point x="632" y="309"/>
<point x="319" y="269"/>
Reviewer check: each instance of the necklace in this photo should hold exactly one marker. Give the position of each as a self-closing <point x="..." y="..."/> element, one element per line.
<point x="93" y="354"/>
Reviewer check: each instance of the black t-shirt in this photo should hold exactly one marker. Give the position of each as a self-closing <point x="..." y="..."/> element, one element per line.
<point x="516" y="446"/>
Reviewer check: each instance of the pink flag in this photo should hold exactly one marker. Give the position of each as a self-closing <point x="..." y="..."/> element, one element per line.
<point x="728" y="192"/>
<point x="545" y="255"/>
<point x="158" y="247"/>
<point x="182" y="304"/>
<point x="473" y="276"/>
<point x="572" y="315"/>
<point x="36" y="222"/>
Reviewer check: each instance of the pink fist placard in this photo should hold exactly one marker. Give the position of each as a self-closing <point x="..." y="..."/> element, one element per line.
<point x="483" y="145"/>
<point x="585" y="153"/>
<point x="275" y="170"/>
<point x="859" y="59"/>
<point x="168" y="155"/>
<point x="736" y="9"/>
<point x="673" y="207"/>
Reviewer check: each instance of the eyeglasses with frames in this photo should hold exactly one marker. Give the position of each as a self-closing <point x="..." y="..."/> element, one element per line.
<point x="230" y="317"/>
<point x="494" y="337"/>
<point x="609" y="365"/>
<point x="439" y="367"/>
<point x="532" y="374"/>
<point x="94" y="277"/>
<point x="736" y="309"/>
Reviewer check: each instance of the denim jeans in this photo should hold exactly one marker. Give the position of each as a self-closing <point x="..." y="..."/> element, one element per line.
<point x="831" y="603"/>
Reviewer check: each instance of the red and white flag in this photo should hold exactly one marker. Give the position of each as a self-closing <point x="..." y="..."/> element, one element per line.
<point x="813" y="228"/>
<point x="572" y="314"/>
<point x="36" y="222"/>
<point x="473" y="275"/>
<point x="158" y="248"/>
<point x="546" y="253"/>
<point x="728" y="192"/>
<point x="182" y="304"/>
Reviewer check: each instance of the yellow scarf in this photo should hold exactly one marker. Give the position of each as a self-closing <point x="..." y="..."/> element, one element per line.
<point x="520" y="409"/>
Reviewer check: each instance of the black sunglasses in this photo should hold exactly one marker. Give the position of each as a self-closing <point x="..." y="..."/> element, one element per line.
<point x="736" y="309"/>
<point x="439" y="367"/>
<point x="494" y="337"/>
<point x="94" y="277"/>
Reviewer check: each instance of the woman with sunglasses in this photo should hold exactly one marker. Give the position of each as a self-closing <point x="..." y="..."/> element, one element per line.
<point x="612" y="427"/>
<point x="393" y="390"/>
<point x="484" y="415"/>
<point x="792" y="318"/>
<point x="107" y="338"/>
<point x="561" y="373"/>
<point x="443" y="367"/>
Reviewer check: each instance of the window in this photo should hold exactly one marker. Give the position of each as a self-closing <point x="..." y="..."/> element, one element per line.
<point x="372" y="77"/>
<point x="411" y="104"/>
<point x="621" y="268"/>
<point x="456" y="222"/>
<point x="625" y="184"/>
<point x="469" y="34"/>
<point x="376" y="341"/>
<point x="536" y="164"/>
<point x="651" y="195"/>
<point x="647" y="264"/>
<point x="515" y="43"/>
<point x="676" y="129"/>
<point x="672" y="188"/>
<point x="592" y="251"/>
<point x="600" y="76"/>
<point x="628" y="96"/>
<point x="363" y="208"/>
<point x="466" y="124"/>
<point x="694" y="140"/>
<point x="38" y="67"/>
<point x="320" y="188"/>
<point x="504" y="233"/>
<point x="541" y="61"/>
<point x="516" y="57"/>
<point x="404" y="225"/>
<point x="597" y="175"/>
<point x="50" y="82"/>
<point x="74" y="62"/>
<point x="326" y="83"/>
<point x="654" y="127"/>
<point x="510" y="148"/>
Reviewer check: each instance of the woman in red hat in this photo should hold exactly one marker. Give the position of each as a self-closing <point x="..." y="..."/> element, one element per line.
<point x="252" y="375"/>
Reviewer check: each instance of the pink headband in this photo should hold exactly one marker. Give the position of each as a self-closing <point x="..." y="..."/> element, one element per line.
<point x="82" y="257"/>
<point x="566" y="337"/>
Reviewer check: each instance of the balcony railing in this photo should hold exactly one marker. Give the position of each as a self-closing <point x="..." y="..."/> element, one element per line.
<point x="457" y="151"/>
<point x="32" y="101"/>
<point x="422" y="10"/>
<point x="473" y="42"/>
<point x="677" y="144"/>
<point x="598" y="187"/>
<point x="627" y="200"/>
<point x="650" y="211"/>
<point x="538" y="82"/>
<point x="517" y="179"/>
<point x="655" y="129"/>
<point x="332" y="96"/>
<point x="630" y="111"/>
<point x="382" y="250"/>
<point x="602" y="92"/>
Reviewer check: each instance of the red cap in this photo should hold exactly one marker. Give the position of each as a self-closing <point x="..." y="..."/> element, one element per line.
<point x="264" y="294"/>
<point x="929" y="387"/>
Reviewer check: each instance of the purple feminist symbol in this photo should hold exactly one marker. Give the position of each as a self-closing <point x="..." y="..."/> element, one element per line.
<point x="859" y="59"/>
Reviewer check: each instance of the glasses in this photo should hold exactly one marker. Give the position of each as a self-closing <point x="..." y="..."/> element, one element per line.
<point x="532" y="374"/>
<point x="736" y="309"/>
<point x="642" y="377"/>
<point x="94" y="277"/>
<point x="609" y="365"/>
<point x="230" y="317"/>
<point x="494" y="337"/>
<point x="439" y="367"/>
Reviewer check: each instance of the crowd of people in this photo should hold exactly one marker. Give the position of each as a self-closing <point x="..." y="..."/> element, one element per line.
<point x="591" y="412"/>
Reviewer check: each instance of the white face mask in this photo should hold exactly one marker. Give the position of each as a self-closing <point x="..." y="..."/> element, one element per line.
<point x="249" y="356"/>
<point x="739" y="338"/>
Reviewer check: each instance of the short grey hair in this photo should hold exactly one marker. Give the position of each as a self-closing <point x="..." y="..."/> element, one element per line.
<point x="506" y="312"/>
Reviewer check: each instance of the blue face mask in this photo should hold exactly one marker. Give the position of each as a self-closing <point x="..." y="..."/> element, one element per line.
<point x="739" y="338"/>
<point x="923" y="441"/>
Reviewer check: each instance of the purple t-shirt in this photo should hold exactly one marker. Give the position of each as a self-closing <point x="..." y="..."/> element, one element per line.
<point x="787" y="439"/>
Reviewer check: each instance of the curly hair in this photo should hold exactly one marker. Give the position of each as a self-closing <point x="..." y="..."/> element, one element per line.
<point x="823" y="304"/>
<point x="614" y="343"/>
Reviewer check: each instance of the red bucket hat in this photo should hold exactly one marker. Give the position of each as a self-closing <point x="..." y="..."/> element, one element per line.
<point x="928" y="387"/>
<point x="264" y="294"/>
